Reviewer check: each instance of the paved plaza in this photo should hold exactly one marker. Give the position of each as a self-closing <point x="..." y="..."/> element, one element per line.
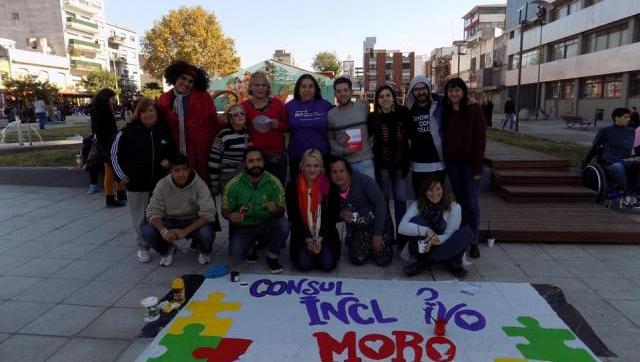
<point x="70" y="283"/>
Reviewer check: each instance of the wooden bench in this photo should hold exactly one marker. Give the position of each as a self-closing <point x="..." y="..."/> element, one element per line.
<point x="573" y="121"/>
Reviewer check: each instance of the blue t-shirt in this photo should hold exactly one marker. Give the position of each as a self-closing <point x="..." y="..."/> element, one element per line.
<point x="308" y="126"/>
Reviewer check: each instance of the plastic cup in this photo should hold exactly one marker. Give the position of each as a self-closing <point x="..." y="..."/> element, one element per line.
<point x="422" y="246"/>
<point x="151" y="311"/>
<point x="490" y="241"/>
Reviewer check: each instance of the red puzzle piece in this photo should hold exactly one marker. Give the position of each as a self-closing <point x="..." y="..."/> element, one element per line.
<point x="228" y="350"/>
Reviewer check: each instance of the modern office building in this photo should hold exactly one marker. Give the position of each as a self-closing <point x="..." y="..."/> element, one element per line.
<point x="585" y="58"/>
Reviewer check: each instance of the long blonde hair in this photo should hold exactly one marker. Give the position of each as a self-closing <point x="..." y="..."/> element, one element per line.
<point x="312" y="153"/>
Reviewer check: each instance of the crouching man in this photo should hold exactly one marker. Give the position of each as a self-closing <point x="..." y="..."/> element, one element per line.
<point x="181" y="207"/>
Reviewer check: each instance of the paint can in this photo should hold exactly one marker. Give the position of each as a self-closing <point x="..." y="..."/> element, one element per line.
<point x="151" y="311"/>
<point x="234" y="276"/>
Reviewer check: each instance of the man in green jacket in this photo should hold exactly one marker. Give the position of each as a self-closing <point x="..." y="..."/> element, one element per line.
<point x="253" y="202"/>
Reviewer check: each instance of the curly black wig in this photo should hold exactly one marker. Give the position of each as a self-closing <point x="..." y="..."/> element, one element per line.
<point x="175" y="70"/>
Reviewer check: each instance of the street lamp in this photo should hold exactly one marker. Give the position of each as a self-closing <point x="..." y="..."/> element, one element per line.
<point x="524" y="23"/>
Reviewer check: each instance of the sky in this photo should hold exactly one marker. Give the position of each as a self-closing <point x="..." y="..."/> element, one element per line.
<point x="304" y="27"/>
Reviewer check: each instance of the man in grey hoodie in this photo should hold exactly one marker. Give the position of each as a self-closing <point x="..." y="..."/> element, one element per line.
<point x="425" y="150"/>
<point x="181" y="207"/>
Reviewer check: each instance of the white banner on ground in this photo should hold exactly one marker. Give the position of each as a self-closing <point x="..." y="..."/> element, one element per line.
<point x="287" y="318"/>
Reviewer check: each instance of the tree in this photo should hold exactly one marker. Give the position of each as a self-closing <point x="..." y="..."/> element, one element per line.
<point x="28" y="89"/>
<point x="151" y="90"/>
<point x="99" y="79"/>
<point x="193" y="35"/>
<point x="327" y="61"/>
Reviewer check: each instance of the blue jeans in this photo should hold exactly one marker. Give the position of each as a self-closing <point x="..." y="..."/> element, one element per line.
<point x="242" y="238"/>
<point x="451" y="250"/>
<point x="623" y="172"/>
<point x="467" y="191"/>
<point x="364" y="167"/>
<point x="392" y="183"/>
<point x="203" y="236"/>
<point x="324" y="260"/>
<point x="509" y="118"/>
<point x="42" y="119"/>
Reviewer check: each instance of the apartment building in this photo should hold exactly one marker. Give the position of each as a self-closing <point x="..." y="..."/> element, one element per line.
<point x="383" y="66"/>
<point x="124" y="57"/>
<point x="584" y="61"/>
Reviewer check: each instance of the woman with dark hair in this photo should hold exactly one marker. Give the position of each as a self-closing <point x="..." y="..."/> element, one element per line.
<point x="389" y="125"/>
<point x="189" y="111"/>
<point x="267" y="122"/>
<point x="433" y="225"/>
<point x="103" y="125"/>
<point x="313" y="213"/>
<point x="464" y="138"/>
<point x="307" y="121"/>
<point x="140" y="157"/>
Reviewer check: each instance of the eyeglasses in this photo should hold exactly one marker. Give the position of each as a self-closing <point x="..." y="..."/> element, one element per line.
<point x="237" y="114"/>
<point x="419" y="90"/>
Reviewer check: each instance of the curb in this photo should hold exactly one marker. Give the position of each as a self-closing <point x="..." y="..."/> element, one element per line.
<point x="45" y="176"/>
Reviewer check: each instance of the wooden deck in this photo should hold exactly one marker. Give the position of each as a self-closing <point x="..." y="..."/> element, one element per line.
<point x="556" y="222"/>
<point x="537" y="198"/>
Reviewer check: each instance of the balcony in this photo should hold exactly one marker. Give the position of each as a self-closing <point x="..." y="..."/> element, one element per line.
<point x="82" y="25"/>
<point x="116" y="39"/>
<point x="80" y="6"/>
<point x="84" y="45"/>
<point x="84" y="65"/>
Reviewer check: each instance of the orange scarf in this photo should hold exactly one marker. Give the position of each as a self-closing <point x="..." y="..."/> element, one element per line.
<point x="319" y="189"/>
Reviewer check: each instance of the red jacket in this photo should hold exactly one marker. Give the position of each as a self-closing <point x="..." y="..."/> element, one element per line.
<point x="201" y="126"/>
<point x="272" y="141"/>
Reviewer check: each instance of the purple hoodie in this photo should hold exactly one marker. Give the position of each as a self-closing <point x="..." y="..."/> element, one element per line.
<point x="308" y="126"/>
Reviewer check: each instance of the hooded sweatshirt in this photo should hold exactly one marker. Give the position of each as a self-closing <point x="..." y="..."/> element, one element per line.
<point x="425" y="150"/>
<point x="183" y="203"/>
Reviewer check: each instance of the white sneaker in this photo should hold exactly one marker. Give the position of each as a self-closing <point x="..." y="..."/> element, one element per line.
<point x="144" y="256"/>
<point x="167" y="260"/>
<point x="204" y="258"/>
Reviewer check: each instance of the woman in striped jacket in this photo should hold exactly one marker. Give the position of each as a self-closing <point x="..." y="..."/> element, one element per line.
<point x="225" y="158"/>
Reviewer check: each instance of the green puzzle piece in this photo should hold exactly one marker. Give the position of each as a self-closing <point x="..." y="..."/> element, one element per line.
<point x="180" y="347"/>
<point x="546" y="344"/>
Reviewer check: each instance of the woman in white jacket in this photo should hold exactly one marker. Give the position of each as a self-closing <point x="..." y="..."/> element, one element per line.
<point x="433" y="223"/>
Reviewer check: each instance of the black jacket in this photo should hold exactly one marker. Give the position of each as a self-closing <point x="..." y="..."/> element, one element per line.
<point x="394" y="154"/>
<point x="103" y="125"/>
<point x="299" y="232"/>
<point x="137" y="152"/>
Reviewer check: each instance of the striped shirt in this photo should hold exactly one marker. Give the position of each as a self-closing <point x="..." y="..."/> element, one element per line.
<point x="225" y="158"/>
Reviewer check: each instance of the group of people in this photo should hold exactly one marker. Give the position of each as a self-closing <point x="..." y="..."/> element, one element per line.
<point x="342" y="164"/>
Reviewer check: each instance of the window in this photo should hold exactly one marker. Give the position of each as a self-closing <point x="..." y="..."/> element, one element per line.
<point x="531" y="57"/>
<point x="592" y="88"/>
<point x="553" y="91"/>
<point x="132" y="39"/>
<point x="559" y="12"/>
<point x="588" y="3"/>
<point x="567" y="89"/>
<point x="406" y="65"/>
<point x="634" y="84"/>
<point x="565" y="49"/>
<point x="613" y="86"/>
<point x="473" y="63"/>
<point x="573" y="7"/>
<point x="15" y="17"/>
<point x="605" y="39"/>
<point x="482" y="61"/>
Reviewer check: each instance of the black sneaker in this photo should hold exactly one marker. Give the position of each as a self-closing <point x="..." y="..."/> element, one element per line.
<point x="474" y="251"/>
<point x="457" y="270"/>
<point x="122" y="196"/>
<point x="252" y="257"/>
<point x="112" y="202"/>
<point x="274" y="265"/>
<point x="415" y="268"/>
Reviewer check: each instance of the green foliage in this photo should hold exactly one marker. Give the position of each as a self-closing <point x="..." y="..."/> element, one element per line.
<point x="327" y="61"/>
<point x="572" y="151"/>
<point x="40" y="156"/>
<point x="191" y="34"/>
<point x="99" y="79"/>
<point x="29" y="88"/>
<point x="151" y="90"/>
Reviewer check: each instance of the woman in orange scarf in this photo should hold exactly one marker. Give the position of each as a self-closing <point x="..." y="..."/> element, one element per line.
<point x="313" y="214"/>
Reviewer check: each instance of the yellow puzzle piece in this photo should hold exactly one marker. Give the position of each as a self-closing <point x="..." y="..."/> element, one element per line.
<point x="204" y="312"/>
